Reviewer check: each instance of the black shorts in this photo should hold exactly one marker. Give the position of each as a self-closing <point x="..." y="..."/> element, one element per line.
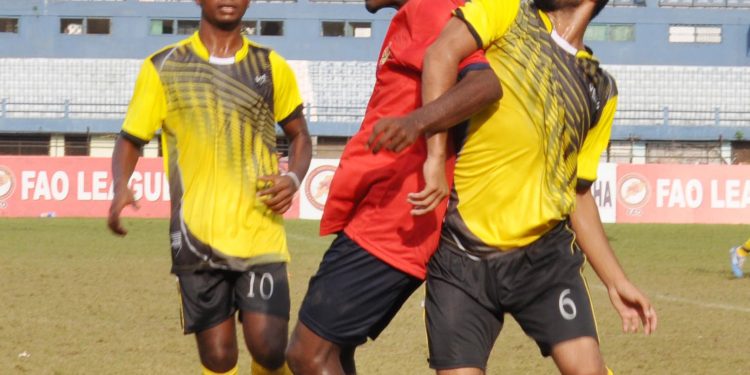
<point x="540" y="285"/>
<point x="354" y="294"/>
<point x="210" y="297"/>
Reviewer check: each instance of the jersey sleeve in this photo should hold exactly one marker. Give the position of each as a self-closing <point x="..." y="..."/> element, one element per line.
<point x="475" y="61"/>
<point x="425" y="21"/>
<point x="287" y="101"/>
<point x="148" y="106"/>
<point x="488" y="20"/>
<point x="596" y="141"/>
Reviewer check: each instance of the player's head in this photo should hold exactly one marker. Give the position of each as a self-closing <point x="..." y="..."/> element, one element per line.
<point x="553" y="5"/>
<point x="376" y="5"/>
<point x="224" y="14"/>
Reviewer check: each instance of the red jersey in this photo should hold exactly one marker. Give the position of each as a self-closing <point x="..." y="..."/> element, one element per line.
<point x="367" y="197"/>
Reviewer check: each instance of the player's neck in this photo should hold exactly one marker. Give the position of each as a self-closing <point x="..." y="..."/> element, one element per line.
<point x="571" y="23"/>
<point x="220" y="42"/>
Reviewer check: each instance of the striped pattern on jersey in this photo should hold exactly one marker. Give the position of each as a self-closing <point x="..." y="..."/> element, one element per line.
<point x="516" y="171"/>
<point x="221" y="132"/>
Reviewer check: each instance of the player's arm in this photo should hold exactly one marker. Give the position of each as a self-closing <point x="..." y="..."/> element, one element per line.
<point x="475" y="91"/>
<point x="288" y="114"/>
<point x="146" y="112"/>
<point x="451" y="104"/>
<point x="279" y="195"/>
<point x="630" y="303"/>
<point x="124" y="158"/>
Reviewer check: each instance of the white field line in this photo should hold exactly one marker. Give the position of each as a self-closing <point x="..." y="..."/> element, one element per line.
<point x="702" y="304"/>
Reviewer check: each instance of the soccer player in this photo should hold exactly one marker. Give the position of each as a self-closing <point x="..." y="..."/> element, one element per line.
<point x="521" y="216"/>
<point x="217" y="98"/>
<point x="737" y="256"/>
<point x="386" y="209"/>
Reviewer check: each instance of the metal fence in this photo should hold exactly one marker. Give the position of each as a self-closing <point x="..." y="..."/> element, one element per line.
<point x="354" y="115"/>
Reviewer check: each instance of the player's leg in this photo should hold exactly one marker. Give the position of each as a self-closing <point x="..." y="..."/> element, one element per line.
<point x="310" y="353"/>
<point x="579" y="356"/>
<point x="461" y="325"/>
<point x="266" y="339"/>
<point x="737" y="256"/>
<point x="552" y="304"/>
<point x="262" y="295"/>
<point x="353" y="296"/>
<point x="208" y="311"/>
<point x="217" y="348"/>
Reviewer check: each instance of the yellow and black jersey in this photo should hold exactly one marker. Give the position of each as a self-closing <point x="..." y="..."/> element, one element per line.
<point x="218" y="129"/>
<point x="522" y="158"/>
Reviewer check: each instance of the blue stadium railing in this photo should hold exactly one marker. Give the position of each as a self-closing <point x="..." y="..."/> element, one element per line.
<point x="89" y="117"/>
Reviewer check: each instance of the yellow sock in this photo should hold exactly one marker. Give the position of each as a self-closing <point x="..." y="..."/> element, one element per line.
<point x="233" y="371"/>
<point x="257" y="369"/>
<point x="742" y="251"/>
<point x="610" y="372"/>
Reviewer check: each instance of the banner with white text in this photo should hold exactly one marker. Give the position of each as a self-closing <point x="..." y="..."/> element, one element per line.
<point x="34" y="186"/>
<point x="603" y="191"/>
<point x="76" y="187"/>
<point x="701" y="194"/>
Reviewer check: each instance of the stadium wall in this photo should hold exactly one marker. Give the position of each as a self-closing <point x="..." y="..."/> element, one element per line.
<point x="624" y="193"/>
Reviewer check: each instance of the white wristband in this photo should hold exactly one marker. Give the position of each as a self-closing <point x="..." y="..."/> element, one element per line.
<point x="294" y="178"/>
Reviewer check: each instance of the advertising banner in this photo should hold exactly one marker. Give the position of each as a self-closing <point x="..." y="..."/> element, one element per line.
<point x="603" y="191"/>
<point x="314" y="188"/>
<point x="702" y="194"/>
<point x="34" y="186"/>
<point x="41" y="186"/>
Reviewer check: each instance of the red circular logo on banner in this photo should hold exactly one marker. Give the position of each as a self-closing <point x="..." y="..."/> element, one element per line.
<point x="634" y="190"/>
<point x="7" y="182"/>
<point x="317" y="184"/>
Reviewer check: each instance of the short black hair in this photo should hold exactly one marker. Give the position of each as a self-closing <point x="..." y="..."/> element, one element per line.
<point x="600" y="4"/>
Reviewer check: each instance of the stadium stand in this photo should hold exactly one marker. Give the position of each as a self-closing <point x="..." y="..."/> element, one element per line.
<point x="682" y="66"/>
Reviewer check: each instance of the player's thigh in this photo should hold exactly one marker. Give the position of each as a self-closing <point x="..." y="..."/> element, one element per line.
<point x="353" y="295"/>
<point x="460" y="330"/>
<point x="556" y="306"/>
<point x="262" y="295"/>
<point x="207" y="299"/>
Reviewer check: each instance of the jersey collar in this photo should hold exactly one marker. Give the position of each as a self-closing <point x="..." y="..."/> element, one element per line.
<point x="560" y="41"/>
<point x="200" y="49"/>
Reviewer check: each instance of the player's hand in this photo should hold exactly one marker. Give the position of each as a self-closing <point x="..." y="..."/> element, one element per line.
<point x="435" y="189"/>
<point x="278" y="197"/>
<point x="122" y="198"/>
<point x="633" y="306"/>
<point x="392" y="133"/>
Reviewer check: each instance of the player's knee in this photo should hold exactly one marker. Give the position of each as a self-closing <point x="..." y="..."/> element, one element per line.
<point x="592" y="367"/>
<point x="302" y="361"/>
<point x="579" y="356"/>
<point x="296" y="358"/>
<point x="219" y="358"/>
<point x="270" y="357"/>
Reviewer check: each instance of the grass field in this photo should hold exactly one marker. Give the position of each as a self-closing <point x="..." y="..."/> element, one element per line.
<point x="76" y="300"/>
